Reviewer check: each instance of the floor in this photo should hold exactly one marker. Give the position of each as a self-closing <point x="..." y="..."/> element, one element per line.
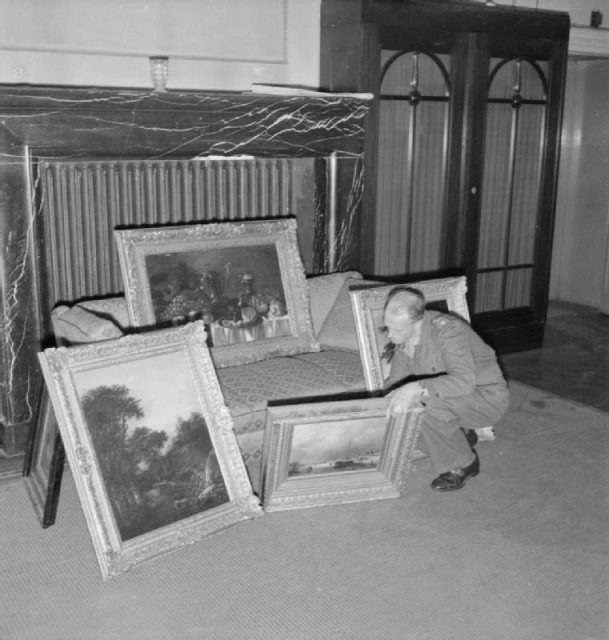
<point x="574" y="360"/>
<point x="573" y="363"/>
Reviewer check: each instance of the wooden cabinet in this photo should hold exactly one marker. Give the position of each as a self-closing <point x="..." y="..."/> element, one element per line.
<point x="461" y="149"/>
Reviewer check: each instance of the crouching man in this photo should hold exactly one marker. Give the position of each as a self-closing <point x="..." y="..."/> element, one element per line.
<point x="438" y="361"/>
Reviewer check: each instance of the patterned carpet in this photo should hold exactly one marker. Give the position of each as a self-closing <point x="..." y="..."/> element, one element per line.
<point x="521" y="553"/>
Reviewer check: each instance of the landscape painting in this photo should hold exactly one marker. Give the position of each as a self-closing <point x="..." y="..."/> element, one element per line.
<point x="150" y="443"/>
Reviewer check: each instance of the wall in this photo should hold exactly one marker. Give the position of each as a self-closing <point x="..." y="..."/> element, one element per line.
<point x="212" y="44"/>
<point x="582" y="221"/>
<point x="579" y="10"/>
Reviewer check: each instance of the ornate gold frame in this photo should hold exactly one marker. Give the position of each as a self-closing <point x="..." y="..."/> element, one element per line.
<point x="368" y="304"/>
<point x="126" y="359"/>
<point x="135" y="245"/>
<point x="281" y="491"/>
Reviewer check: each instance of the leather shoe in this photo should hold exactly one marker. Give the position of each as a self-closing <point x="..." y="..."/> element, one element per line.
<point x="456" y="478"/>
<point x="472" y="437"/>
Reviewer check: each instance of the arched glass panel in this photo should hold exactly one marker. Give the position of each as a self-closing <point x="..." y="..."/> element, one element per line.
<point x="412" y="162"/>
<point x="511" y="184"/>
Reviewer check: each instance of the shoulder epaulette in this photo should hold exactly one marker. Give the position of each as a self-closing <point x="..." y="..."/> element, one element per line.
<point x="440" y="321"/>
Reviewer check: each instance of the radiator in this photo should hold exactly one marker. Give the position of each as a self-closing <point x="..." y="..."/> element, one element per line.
<point x="83" y="202"/>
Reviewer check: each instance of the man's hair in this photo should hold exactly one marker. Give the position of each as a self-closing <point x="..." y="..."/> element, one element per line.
<point x="413" y="302"/>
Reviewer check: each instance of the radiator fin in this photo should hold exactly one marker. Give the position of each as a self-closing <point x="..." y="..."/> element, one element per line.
<point x="84" y="201"/>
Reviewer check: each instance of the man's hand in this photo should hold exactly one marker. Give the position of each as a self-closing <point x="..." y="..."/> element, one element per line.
<point x="405" y="397"/>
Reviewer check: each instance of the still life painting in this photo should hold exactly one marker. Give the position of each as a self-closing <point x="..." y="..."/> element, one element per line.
<point x="245" y="280"/>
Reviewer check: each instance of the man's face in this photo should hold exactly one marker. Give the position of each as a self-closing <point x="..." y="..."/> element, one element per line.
<point x="400" y="330"/>
<point x="399" y="325"/>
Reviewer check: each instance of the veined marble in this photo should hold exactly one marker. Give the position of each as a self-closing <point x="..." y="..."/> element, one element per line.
<point x="73" y="124"/>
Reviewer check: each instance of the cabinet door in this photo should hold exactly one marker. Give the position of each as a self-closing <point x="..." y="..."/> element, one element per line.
<point x="461" y="149"/>
<point x="516" y="194"/>
<point x="465" y="176"/>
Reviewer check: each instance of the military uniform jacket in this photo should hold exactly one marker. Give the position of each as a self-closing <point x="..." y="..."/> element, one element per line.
<point x="450" y="359"/>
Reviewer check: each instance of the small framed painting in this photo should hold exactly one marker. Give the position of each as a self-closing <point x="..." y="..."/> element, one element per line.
<point x="335" y="452"/>
<point x="149" y="441"/>
<point x="244" y="279"/>
<point x="443" y="294"/>
<point x="44" y="462"/>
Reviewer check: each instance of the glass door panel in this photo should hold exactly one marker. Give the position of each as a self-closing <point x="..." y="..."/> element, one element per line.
<point x="511" y="184"/>
<point x="412" y="162"/>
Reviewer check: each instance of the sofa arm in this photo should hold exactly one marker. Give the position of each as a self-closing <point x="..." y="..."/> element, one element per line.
<point x="338" y="330"/>
<point x="323" y="293"/>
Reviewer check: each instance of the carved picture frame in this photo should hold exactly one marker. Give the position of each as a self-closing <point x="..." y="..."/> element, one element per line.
<point x="150" y="443"/>
<point x="44" y="462"/>
<point x="247" y="283"/>
<point x="368" y="305"/>
<point x="335" y="452"/>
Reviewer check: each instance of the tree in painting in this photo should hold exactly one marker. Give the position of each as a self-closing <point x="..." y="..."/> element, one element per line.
<point x="151" y="480"/>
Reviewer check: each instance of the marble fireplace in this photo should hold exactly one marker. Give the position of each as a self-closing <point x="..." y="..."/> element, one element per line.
<point x="77" y="162"/>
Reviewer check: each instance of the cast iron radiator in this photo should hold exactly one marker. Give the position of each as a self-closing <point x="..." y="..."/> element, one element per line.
<point x="83" y="202"/>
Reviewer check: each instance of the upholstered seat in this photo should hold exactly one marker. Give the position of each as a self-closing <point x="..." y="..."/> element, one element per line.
<point x="247" y="388"/>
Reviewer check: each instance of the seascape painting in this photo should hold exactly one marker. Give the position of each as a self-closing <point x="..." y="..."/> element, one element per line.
<point x="151" y="442"/>
<point x="321" y="453"/>
<point x="332" y="446"/>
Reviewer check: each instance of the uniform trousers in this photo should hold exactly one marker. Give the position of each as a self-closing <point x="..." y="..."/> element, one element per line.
<point x="443" y="419"/>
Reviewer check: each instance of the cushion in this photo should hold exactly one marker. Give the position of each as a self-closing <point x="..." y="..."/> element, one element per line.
<point x="322" y="294"/>
<point x="75" y="325"/>
<point x="338" y="330"/>
<point x="113" y="309"/>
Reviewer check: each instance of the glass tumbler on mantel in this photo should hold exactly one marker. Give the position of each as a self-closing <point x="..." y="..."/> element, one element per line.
<point x="158" y="72"/>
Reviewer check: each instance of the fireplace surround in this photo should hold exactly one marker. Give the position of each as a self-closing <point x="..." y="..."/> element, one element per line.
<point x="45" y="131"/>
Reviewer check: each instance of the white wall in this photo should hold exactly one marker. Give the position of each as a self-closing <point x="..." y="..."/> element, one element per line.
<point x="579" y="10"/>
<point x="212" y="44"/>
<point x="581" y="238"/>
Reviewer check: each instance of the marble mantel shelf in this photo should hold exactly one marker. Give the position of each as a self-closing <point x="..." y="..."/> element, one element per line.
<point x="84" y="121"/>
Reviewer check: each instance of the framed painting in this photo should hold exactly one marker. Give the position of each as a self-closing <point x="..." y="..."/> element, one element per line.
<point x="335" y="452"/>
<point x="149" y="441"/>
<point x="44" y="462"/>
<point x="444" y="294"/>
<point x="244" y="279"/>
